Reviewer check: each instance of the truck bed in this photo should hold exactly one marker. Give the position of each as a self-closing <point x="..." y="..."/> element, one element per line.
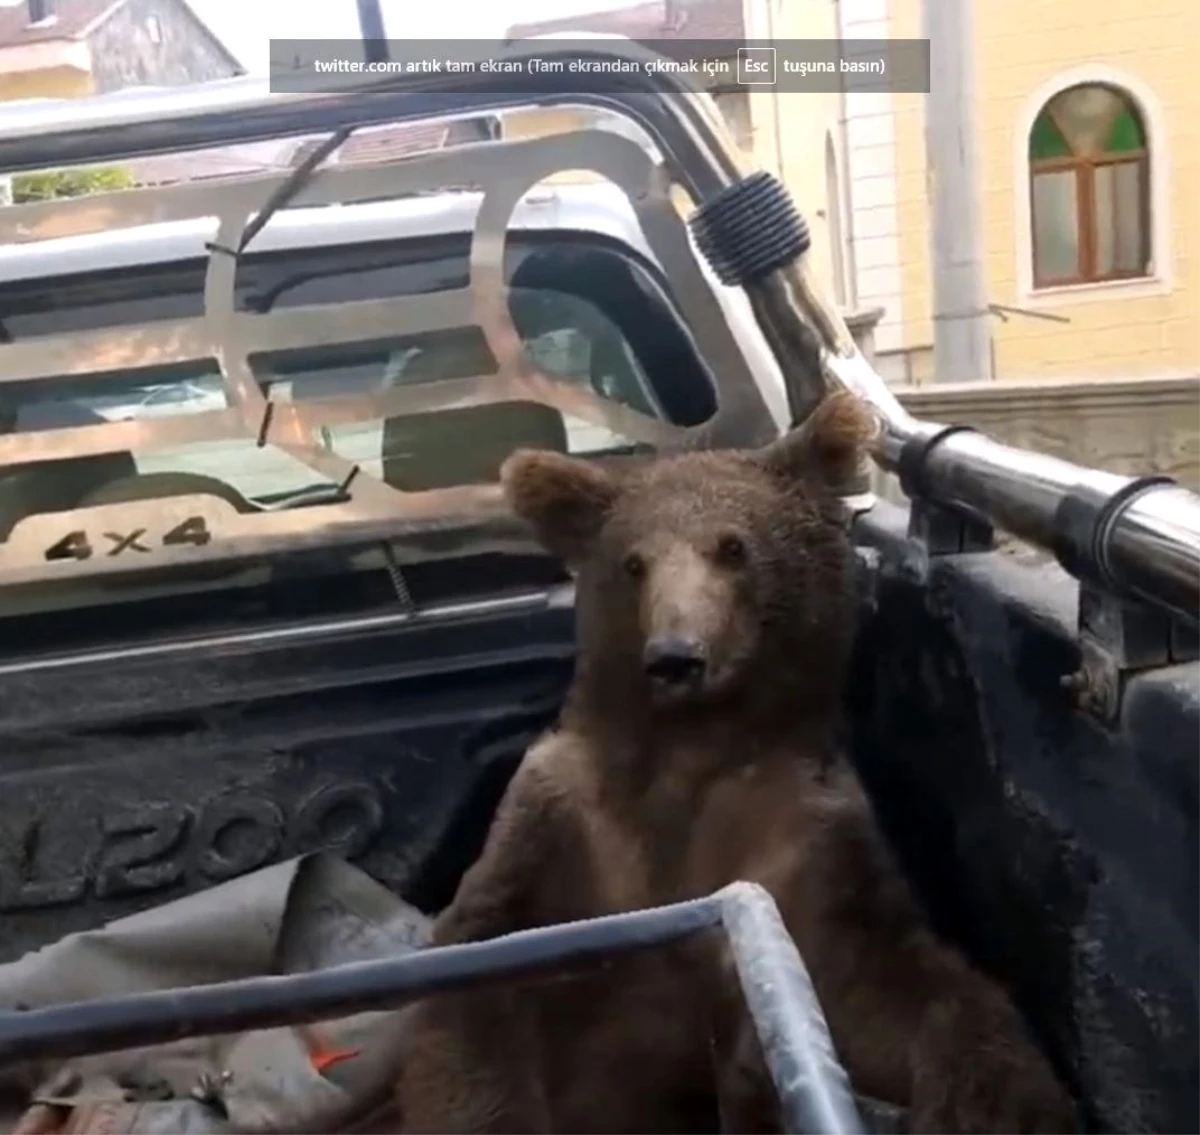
<point x="130" y="778"/>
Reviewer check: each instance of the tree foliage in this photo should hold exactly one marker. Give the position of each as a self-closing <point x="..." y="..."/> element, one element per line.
<point x="53" y="184"/>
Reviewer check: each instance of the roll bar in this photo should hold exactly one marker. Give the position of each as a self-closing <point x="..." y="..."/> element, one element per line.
<point x="1138" y="536"/>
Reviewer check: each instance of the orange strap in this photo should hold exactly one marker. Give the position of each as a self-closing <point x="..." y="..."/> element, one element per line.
<point x="319" y="1056"/>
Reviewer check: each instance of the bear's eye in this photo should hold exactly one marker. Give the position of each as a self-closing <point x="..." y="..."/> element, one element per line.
<point x="731" y="551"/>
<point x="634" y="565"/>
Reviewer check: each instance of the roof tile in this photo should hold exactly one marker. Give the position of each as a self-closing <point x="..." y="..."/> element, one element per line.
<point x="379" y="144"/>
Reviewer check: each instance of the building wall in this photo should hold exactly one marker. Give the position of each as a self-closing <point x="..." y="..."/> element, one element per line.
<point x="45" y="83"/>
<point x="156" y="43"/>
<point x="911" y="196"/>
<point x="872" y="165"/>
<point x="1025" y="52"/>
<point x="795" y="133"/>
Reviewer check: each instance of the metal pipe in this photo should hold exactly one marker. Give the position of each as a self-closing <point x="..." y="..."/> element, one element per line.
<point x="1154" y="545"/>
<point x="111" y="1024"/>
<point x="371" y="31"/>
<point x="962" y="323"/>
<point x="979" y="472"/>
<point x="1155" y="542"/>
<point x="814" y="1091"/>
<point x="235" y="111"/>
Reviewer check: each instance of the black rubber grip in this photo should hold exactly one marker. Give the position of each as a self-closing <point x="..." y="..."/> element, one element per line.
<point x="914" y="457"/>
<point x="750" y="229"/>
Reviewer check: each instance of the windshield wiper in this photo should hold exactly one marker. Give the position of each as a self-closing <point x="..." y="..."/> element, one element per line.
<point x="309" y="494"/>
<point x="288" y="188"/>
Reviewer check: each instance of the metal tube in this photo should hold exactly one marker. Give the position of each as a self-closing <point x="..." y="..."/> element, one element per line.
<point x="1153" y="547"/>
<point x="370" y="26"/>
<point x="240" y="110"/>
<point x="109" y="1025"/>
<point x="814" y="1090"/>
<point x="962" y="338"/>
<point x="1018" y="490"/>
<point x="1155" y="543"/>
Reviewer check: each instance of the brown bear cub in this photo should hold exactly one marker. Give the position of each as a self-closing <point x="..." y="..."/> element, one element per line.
<point x="715" y="609"/>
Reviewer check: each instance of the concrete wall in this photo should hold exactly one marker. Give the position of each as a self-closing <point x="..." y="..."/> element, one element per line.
<point x="1130" y="426"/>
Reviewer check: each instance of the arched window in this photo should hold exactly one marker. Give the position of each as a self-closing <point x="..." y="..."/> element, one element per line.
<point x="1089" y="188"/>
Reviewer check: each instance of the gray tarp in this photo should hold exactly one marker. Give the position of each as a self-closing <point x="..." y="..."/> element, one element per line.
<point x="302" y="915"/>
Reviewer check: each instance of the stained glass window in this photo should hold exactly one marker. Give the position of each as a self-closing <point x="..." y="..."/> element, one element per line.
<point x="1089" y="182"/>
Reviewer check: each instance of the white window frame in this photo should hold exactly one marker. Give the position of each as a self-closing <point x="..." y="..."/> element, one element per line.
<point x="1159" y="279"/>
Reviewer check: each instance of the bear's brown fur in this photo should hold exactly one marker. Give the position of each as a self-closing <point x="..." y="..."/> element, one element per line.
<point x="697" y="747"/>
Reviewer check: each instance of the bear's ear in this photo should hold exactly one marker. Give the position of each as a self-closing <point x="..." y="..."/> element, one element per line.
<point x="564" y="498"/>
<point x="828" y="447"/>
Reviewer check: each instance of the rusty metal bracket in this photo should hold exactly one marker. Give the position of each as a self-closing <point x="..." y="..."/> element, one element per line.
<point x="1119" y="634"/>
<point x="1119" y="638"/>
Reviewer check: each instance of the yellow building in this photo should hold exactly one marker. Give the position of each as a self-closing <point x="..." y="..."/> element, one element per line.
<point x="1088" y="135"/>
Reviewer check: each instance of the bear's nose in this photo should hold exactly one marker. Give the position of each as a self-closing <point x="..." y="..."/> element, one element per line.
<point x="674" y="661"/>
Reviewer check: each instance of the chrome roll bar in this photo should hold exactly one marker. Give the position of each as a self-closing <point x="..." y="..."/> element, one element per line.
<point x="1141" y="536"/>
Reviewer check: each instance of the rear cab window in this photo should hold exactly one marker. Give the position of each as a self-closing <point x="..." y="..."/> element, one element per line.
<point x="582" y="335"/>
<point x="588" y="310"/>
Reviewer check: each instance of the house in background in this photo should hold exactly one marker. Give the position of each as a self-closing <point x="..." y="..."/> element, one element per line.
<point x="73" y="48"/>
<point x="69" y="48"/>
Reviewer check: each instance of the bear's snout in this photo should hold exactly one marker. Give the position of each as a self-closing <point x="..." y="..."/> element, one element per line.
<point x="675" y="662"/>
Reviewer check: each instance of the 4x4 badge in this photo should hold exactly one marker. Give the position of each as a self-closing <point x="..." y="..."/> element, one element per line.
<point x="75" y="545"/>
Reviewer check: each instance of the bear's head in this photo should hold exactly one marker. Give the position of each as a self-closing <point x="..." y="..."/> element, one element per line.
<point x="705" y="576"/>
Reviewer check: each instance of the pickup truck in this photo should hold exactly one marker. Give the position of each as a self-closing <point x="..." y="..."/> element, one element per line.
<point x="259" y="597"/>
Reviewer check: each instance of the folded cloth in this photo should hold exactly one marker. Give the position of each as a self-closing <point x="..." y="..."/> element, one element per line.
<point x="303" y="915"/>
